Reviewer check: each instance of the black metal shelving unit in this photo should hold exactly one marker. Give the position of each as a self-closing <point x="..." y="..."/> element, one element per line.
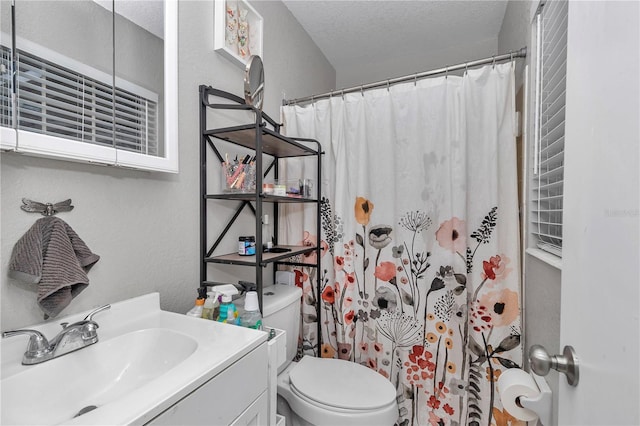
<point x="263" y="137"/>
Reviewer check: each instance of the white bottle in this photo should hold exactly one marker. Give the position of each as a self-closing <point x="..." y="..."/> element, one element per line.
<point x="251" y="316"/>
<point x="196" y="311"/>
<point x="267" y="244"/>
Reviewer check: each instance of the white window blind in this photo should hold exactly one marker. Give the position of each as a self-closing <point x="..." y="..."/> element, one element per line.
<point x="546" y="212"/>
<point x="56" y="100"/>
<point x="6" y="84"/>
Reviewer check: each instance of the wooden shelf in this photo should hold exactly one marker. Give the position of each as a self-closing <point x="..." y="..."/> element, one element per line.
<point x="236" y="259"/>
<point x="248" y="196"/>
<point x="273" y="143"/>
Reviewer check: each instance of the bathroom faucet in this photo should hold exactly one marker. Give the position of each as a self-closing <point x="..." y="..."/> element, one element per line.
<point x="72" y="337"/>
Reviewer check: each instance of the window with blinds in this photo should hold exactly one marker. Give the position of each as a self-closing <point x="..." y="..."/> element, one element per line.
<point x="548" y="167"/>
<point x="6" y="85"/>
<point x="56" y="100"/>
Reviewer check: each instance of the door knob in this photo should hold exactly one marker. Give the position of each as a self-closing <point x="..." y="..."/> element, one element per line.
<point x="567" y="363"/>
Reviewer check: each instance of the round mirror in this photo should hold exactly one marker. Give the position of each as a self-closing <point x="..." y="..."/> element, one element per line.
<point x="254" y="82"/>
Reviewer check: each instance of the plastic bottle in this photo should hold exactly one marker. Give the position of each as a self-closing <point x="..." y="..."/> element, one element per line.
<point x="231" y="316"/>
<point x="251" y="316"/>
<point x="228" y="310"/>
<point x="209" y="306"/>
<point x="196" y="311"/>
<point x="216" y="306"/>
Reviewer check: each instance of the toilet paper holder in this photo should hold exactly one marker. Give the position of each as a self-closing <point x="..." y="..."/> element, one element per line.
<point x="567" y="363"/>
<point x="541" y="404"/>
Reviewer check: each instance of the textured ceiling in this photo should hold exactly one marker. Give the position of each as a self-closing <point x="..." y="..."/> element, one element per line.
<point x="148" y="14"/>
<point x="349" y="31"/>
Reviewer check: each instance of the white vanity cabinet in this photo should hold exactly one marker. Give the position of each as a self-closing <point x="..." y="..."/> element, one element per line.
<point x="149" y="367"/>
<point x="236" y="396"/>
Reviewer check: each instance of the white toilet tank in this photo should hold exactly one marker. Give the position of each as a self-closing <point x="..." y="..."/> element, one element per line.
<point x="281" y="306"/>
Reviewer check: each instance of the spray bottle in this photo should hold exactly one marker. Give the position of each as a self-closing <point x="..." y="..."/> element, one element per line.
<point x="228" y="311"/>
<point x="211" y="307"/>
<point x="196" y="311"/>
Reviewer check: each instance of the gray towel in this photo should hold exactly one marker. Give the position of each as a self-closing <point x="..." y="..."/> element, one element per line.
<point x="52" y="255"/>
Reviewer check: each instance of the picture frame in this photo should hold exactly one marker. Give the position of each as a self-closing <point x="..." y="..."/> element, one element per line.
<point x="238" y="30"/>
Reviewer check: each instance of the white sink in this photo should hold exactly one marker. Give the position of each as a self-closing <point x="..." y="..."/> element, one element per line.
<point x="142" y="364"/>
<point x="92" y="377"/>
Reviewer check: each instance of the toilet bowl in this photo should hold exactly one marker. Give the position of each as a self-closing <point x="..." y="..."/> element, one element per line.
<point x="323" y="391"/>
<point x="332" y="392"/>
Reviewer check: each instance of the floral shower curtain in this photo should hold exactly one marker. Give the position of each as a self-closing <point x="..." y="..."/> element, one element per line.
<point x="420" y="260"/>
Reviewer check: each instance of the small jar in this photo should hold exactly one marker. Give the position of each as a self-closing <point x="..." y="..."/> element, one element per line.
<point x="247" y="245"/>
<point x="268" y="188"/>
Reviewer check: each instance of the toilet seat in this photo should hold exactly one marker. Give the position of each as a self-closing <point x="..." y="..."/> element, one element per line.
<point x="339" y="384"/>
<point x="305" y="410"/>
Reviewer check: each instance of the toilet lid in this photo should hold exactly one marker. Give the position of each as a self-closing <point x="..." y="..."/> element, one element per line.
<point x="341" y="384"/>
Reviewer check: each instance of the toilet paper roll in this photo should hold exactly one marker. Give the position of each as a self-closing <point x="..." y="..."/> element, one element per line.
<point x="512" y="384"/>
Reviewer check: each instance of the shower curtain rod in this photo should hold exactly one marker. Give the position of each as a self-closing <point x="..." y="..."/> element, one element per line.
<point x="522" y="53"/>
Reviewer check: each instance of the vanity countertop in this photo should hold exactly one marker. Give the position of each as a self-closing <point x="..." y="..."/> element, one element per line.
<point x="146" y="360"/>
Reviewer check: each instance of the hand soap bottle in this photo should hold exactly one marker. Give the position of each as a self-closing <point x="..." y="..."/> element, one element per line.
<point x="228" y="310"/>
<point x="231" y="316"/>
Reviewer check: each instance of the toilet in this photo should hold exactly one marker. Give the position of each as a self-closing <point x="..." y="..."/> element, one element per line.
<point x="323" y="391"/>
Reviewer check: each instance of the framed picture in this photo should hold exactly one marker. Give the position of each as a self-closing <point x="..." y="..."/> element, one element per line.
<point x="237" y="30"/>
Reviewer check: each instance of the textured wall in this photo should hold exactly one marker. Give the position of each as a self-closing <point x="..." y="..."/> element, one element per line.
<point x="541" y="288"/>
<point x="515" y="32"/>
<point x="145" y="225"/>
<point x="542" y="314"/>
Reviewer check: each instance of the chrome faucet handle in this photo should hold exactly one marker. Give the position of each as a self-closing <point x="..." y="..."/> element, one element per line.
<point x="71" y="338"/>
<point x="92" y="313"/>
<point x="38" y="345"/>
<point x="89" y="330"/>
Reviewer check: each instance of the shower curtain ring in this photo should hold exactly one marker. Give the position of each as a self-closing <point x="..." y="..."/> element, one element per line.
<point x="446" y="72"/>
<point x="494" y="61"/>
<point x="466" y="68"/>
<point x="362" y="91"/>
<point x="342" y="91"/>
<point x="387" y="85"/>
<point x="415" y="79"/>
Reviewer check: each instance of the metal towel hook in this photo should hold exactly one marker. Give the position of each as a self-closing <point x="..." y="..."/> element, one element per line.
<point x="46" y="209"/>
